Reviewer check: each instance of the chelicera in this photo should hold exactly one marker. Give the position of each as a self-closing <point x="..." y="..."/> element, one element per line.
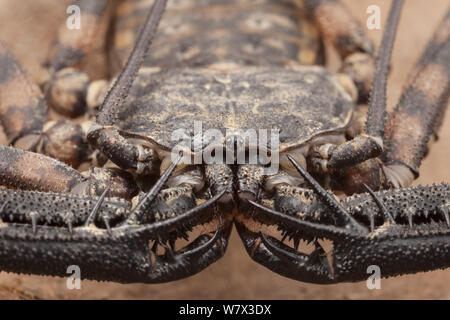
<point x="233" y="66"/>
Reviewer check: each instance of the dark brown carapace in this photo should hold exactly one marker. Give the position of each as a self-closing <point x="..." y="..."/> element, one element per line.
<point x="145" y="212"/>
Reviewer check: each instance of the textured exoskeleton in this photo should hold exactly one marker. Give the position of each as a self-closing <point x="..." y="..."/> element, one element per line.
<point x="231" y="67"/>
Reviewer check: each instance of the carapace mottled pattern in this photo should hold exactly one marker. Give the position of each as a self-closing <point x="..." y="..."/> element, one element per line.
<point x="141" y="215"/>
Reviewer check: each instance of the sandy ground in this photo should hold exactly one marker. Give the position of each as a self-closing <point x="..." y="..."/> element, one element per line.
<point x="25" y="27"/>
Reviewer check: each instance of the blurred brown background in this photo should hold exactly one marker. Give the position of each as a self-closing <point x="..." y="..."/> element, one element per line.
<point x="26" y="27"/>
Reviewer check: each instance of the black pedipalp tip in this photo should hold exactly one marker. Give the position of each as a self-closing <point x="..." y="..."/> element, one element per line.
<point x="153" y="192"/>
<point x="380" y="204"/>
<point x="91" y="218"/>
<point x="328" y="199"/>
